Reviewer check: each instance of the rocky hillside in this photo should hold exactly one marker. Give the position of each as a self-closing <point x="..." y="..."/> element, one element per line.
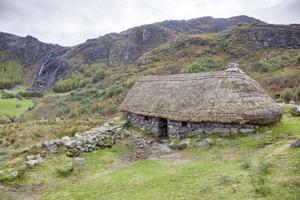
<point x="45" y="63"/>
<point x="159" y="48"/>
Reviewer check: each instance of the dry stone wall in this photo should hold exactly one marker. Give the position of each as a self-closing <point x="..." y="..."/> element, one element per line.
<point x="177" y="129"/>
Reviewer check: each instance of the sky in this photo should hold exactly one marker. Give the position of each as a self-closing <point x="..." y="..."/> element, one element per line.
<point x="70" y="22"/>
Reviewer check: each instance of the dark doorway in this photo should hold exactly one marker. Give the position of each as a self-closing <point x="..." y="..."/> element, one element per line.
<point x="163" y="127"/>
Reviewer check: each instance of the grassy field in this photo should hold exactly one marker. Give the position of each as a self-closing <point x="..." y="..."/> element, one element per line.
<point x="257" y="166"/>
<point x="14" y="107"/>
<point x="236" y="168"/>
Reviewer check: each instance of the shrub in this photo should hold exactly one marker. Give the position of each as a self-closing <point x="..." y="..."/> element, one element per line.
<point x="7" y="95"/>
<point x="113" y="90"/>
<point x="203" y="65"/>
<point x="31" y="93"/>
<point x="261" y="67"/>
<point x="71" y="83"/>
<point x="287" y="95"/>
<point x="11" y="74"/>
<point x="99" y="75"/>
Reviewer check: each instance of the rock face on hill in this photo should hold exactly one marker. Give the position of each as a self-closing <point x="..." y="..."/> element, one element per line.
<point x="46" y="63"/>
<point x="38" y="59"/>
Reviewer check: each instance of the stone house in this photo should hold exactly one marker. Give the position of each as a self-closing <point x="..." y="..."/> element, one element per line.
<point x="221" y="102"/>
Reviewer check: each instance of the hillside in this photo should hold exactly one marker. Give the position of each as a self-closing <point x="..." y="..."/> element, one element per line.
<point x="45" y="63"/>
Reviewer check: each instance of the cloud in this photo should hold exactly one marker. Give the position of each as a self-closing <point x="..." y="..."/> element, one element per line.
<point x="69" y="22"/>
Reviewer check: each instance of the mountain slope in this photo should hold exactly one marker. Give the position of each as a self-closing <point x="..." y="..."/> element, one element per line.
<point x="112" y="50"/>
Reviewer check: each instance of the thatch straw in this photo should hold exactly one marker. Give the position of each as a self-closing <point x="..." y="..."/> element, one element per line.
<point x="222" y="97"/>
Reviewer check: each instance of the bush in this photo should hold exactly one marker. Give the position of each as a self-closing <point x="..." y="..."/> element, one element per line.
<point x="99" y="76"/>
<point x="7" y="95"/>
<point x="113" y="90"/>
<point x="11" y="74"/>
<point x="31" y="93"/>
<point x="261" y="67"/>
<point x="287" y="95"/>
<point x="73" y="82"/>
<point x="203" y="65"/>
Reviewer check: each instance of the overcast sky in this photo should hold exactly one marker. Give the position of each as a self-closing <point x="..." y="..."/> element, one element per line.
<point x="70" y="22"/>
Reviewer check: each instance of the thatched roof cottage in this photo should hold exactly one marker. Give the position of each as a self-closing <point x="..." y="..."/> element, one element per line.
<point x="213" y="102"/>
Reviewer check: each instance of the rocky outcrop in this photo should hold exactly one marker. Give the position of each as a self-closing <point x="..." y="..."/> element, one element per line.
<point x="42" y="62"/>
<point x="260" y="36"/>
<point x="46" y="63"/>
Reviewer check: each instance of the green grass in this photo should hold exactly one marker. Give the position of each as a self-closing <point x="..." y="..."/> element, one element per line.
<point x="14" y="107"/>
<point x="236" y="168"/>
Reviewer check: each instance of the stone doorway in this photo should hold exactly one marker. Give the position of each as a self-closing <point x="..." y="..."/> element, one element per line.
<point x="163" y="127"/>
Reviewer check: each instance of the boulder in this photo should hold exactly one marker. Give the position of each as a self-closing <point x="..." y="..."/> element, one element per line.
<point x="31" y="163"/>
<point x="65" y="139"/>
<point x="70" y="144"/>
<point x="296" y="143"/>
<point x="204" y="143"/>
<point x="52" y="148"/>
<point x="295" y="111"/>
<point x="184" y="144"/>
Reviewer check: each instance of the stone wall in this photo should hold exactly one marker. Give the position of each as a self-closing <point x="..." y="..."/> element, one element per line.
<point x="146" y="123"/>
<point x="177" y="129"/>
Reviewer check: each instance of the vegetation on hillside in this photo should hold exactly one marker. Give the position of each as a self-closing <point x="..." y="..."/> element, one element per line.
<point x="11" y="74"/>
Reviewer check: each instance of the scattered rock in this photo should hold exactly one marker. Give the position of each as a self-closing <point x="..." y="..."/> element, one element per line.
<point x="296" y="143"/>
<point x="50" y="146"/>
<point x="204" y="143"/>
<point x="295" y="111"/>
<point x="31" y="163"/>
<point x="184" y="144"/>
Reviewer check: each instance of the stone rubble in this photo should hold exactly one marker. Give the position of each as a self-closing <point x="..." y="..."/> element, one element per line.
<point x="100" y="137"/>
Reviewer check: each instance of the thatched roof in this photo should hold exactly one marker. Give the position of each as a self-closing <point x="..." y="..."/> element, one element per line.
<point x="221" y="97"/>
